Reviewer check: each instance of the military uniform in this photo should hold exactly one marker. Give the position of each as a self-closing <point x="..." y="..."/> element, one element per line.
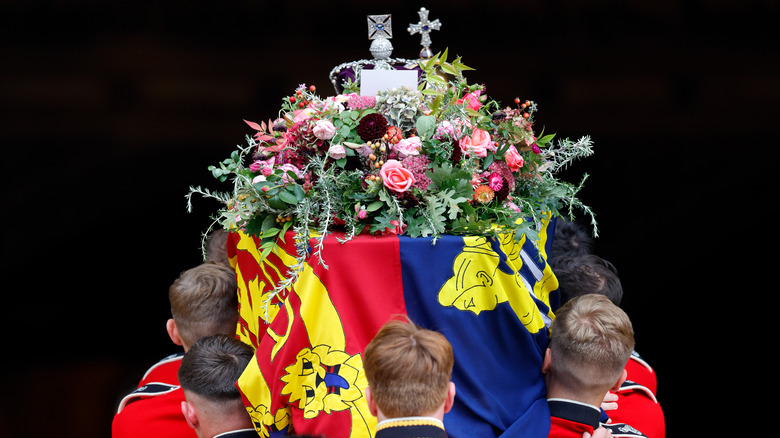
<point x="411" y="427"/>
<point x="637" y="404"/>
<point x="569" y="419"/>
<point x="154" y="408"/>
<point x="164" y="371"/>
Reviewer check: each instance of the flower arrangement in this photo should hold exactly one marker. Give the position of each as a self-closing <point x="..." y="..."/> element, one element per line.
<point x="441" y="159"/>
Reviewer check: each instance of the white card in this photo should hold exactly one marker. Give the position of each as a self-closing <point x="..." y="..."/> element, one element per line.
<point x="374" y="81"/>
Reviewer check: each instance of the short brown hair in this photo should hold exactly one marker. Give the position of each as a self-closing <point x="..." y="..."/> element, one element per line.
<point x="212" y="366"/>
<point x="408" y="369"/>
<point x="204" y="301"/>
<point x="592" y="340"/>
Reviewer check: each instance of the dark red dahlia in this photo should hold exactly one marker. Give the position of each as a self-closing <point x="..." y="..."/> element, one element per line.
<point x="503" y="192"/>
<point x="457" y="154"/>
<point x="372" y="126"/>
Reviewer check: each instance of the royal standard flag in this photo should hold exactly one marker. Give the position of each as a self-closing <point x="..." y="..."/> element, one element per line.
<point x="491" y="297"/>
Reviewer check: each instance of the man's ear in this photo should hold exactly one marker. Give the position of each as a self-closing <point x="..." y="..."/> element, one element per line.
<point x="546" y="361"/>
<point x="450" y="400"/>
<point x="620" y="381"/>
<point x="190" y="415"/>
<point x="173" y="332"/>
<point x="370" y="401"/>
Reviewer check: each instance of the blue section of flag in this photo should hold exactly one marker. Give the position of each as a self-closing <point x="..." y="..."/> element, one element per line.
<point x="500" y="388"/>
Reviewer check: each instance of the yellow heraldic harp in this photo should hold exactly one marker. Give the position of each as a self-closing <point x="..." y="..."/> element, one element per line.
<point x="323" y="378"/>
<point x="478" y="283"/>
<point x="545" y="280"/>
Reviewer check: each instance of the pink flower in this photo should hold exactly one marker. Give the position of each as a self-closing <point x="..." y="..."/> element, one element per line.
<point x="397" y="230"/>
<point x="395" y="176"/>
<point x="324" y="129"/>
<point x="478" y="144"/>
<point x="361" y="102"/>
<point x="337" y="151"/>
<point x="408" y="146"/>
<point x="263" y="165"/>
<point x="302" y="115"/>
<point x="289" y="168"/>
<point x="513" y="159"/>
<point x="362" y="214"/>
<point x="495" y="181"/>
<point x="471" y="100"/>
<point x="513" y="206"/>
<point x="446" y="129"/>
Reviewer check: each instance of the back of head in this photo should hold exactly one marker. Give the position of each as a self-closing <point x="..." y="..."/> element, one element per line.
<point x="591" y="342"/>
<point x="204" y="301"/>
<point x="408" y="369"/>
<point x="211" y="367"/>
<point x="587" y="274"/>
<point x="216" y="247"/>
<point x="571" y="239"/>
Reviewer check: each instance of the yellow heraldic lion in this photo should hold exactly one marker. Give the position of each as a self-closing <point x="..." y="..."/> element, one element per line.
<point x="483" y="278"/>
<point x="265" y="422"/>
<point x="321" y="379"/>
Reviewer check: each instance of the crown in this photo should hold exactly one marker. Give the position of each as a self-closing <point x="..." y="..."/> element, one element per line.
<point x="380" y="31"/>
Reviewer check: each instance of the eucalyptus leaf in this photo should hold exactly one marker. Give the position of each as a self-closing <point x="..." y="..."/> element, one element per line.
<point x="426" y="126"/>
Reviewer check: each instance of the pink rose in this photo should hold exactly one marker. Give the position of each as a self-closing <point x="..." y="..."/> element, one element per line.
<point x="324" y="129"/>
<point x="478" y="144"/>
<point x="289" y="168"/>
<point x="513" y="159"/>
<point x="262" y="165"/>
<point x="408" y="146"/>
<point x="398" y="228"/>
<point x="337" y="151"/>
<point x="395" y="177"/>
<point x="471" y="100"/>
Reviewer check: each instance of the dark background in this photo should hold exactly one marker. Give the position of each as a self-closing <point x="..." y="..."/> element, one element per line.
<point x="111" y="110"/>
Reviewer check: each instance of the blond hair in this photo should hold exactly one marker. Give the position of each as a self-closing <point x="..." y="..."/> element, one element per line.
<point x="408" y="369"/>
<point x="204" y="301"/>
<point x="592" y="340"/>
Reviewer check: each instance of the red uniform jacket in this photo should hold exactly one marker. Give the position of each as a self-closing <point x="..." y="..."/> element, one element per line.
<point x="164" y="371"/>
<point x="642" y="373"/>
<point x="570" y="419"/>
<point x="638" y="407"/>
<point x="154" y="415"/>
<point x="154" y="409"/>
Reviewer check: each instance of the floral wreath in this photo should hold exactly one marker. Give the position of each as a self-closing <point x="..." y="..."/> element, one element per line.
<point x="441" y="159"/>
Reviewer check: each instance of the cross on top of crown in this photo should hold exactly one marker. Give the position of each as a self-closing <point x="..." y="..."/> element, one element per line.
<point x="380" y="26"/>
<point x="424" y="27"/>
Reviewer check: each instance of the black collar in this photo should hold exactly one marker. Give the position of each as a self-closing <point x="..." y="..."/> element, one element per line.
<point x="574" y="411"/>
<point x="418" y="427"/>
